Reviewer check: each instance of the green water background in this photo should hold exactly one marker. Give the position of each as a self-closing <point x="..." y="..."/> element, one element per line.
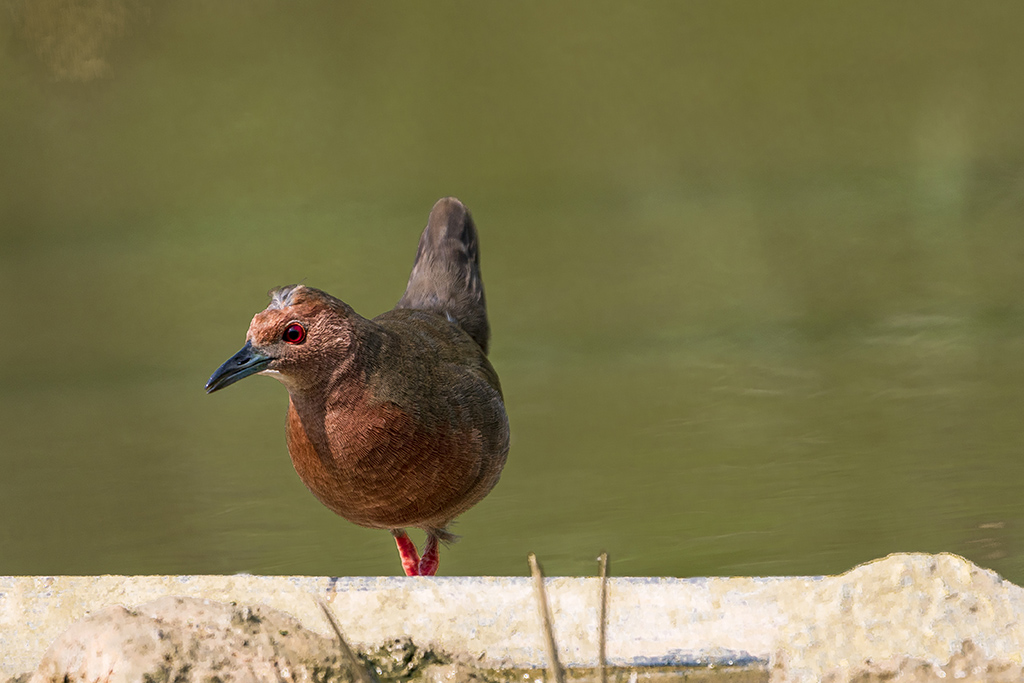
<point x="754" y="274"/>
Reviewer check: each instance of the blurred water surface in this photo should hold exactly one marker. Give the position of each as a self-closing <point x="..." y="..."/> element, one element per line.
<point x="754" y="274"/>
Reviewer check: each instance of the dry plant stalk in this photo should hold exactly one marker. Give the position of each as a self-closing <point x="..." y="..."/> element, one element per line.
<point x="554" y="667"/>
<point x="602" y="660"/>
<point x="359" y="671"/>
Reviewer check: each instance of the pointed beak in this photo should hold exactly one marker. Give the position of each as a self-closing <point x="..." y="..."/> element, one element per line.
<point x="248" y="361"/>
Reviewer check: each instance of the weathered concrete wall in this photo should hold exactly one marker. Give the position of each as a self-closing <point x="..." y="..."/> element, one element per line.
<point x="920" y="606"/>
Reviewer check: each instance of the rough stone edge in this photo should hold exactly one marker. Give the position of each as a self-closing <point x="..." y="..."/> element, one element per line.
<point x="651" y="620"/>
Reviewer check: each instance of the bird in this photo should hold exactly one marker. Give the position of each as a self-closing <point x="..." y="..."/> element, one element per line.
<point x="397" y="421"/>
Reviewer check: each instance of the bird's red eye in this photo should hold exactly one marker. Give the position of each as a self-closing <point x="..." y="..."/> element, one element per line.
<point x="294" y="334"/>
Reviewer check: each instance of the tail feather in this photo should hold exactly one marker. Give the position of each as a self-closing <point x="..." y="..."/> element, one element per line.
<point x="446" y="274"/>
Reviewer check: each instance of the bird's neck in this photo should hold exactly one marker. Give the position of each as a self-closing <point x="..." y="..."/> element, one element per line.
<point x="339" y="392"/>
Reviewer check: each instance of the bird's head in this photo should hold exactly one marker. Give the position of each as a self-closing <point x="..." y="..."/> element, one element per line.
<point x="301" y="332"/>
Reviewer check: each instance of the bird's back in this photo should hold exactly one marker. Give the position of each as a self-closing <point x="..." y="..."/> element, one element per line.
<point x="450" y="391"/>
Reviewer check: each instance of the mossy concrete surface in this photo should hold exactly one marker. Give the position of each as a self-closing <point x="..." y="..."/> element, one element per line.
<point x="922" y="608"/>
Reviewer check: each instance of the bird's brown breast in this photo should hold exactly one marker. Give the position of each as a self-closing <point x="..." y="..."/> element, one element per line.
<point x="375" y="464"/>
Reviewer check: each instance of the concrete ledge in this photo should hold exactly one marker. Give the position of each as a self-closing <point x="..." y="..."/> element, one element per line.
<point x="913" y="605"/>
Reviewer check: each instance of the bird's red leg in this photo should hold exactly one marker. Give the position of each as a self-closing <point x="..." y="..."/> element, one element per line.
<point x="407" y="549"/>
<point x="428" y="565"/>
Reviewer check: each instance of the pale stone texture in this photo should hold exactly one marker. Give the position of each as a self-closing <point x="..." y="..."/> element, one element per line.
<point x="968" y="665"/>
<point x="904" y="613"/>
<point x="920" y="609"/>
<point x="187" y="639"/>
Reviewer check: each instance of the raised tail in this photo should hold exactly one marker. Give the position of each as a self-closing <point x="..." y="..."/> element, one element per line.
<point x="446" y="275"/>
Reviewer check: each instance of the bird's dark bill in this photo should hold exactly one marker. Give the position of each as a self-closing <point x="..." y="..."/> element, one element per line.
<point x="248" y="361"/>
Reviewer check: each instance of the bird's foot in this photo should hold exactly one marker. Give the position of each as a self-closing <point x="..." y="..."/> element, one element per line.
<point x="430" y="560"/>
<point x="407" y="549"/>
